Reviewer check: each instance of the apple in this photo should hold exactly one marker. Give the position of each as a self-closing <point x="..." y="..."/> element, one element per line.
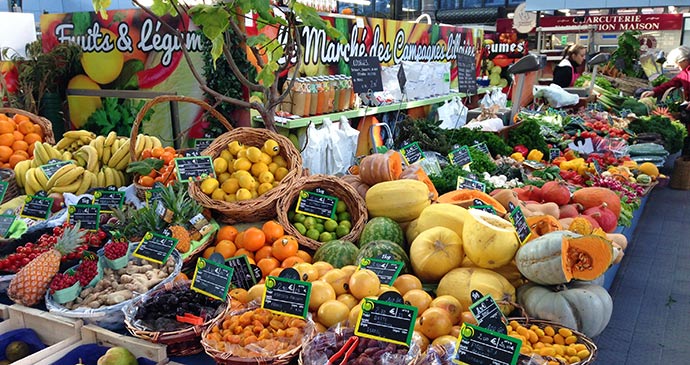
<point x="58" y="202"/>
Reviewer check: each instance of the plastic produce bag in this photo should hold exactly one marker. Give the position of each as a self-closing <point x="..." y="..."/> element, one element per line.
<point x="333" y="139"/>
<point x="344" y="151"/>
<point x="555" y="95"/>
<point x="499" y="98"/>
<point x="316" y="149"/>
<point x="452" y="114"/>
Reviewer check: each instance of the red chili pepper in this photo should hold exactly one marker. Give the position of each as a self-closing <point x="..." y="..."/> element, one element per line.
<point x="153" y="76"/>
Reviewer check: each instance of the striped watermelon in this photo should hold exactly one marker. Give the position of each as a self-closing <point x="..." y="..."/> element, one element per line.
<point x="338" y="253"/>
<point x="375" y="249"/>
<point x="382" y="228"/>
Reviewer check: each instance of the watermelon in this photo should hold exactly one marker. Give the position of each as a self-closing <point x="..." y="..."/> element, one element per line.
<point x="382" y="228"/>
<point x="338" y="253"/>
<point x="375" y="249"/>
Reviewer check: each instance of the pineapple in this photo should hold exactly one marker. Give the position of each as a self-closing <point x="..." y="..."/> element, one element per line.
<point x="177" y="199"/>
<point x="30" y="284"/>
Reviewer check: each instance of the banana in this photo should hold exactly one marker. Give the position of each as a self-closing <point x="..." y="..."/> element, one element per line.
<point x="98" y="144"/>
<point x="20" y="171"/>
<point x="64" y="143"/>
<point x="105" y="157"/>
<point x="116" y="179"/>
<point x="41" y="178"/>
<point x="78" y="134"/>
<point x="156" y="142"/>
<point x="40" y="155"/>
<point x="114" y="147"/>
<point x="124" y="161"/>
<point x="92" y="161"/>
<point x="66" y="156"/>
<point x="149" y="143"/>
<point x="52" y="152"/>
<point x="59" y="173"/>
<point x="110" y="139"/>
<point x="70" y="188"/>
<point x="69" y="177"/>
<point x="139" y="145"/>
<point x="80" y="158"/>
<point x="121" y="154"/>
<point x="100" y="178"/>
<point x="86" y="182"/>
<point x="31" y="185"/>
<point x="109" y="177"/>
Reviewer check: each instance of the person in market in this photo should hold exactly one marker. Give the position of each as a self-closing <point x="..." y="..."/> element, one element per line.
<point x="566" y="72"/>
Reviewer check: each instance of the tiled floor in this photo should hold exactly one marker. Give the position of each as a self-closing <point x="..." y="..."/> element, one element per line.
<point x="651" y="291"/>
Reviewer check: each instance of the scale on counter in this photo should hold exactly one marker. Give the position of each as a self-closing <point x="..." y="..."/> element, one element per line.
<point x="521" y="69"/>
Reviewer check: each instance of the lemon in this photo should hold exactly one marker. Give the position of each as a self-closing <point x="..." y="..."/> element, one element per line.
<point x="237" y="174"/>
<point x="234" y="147"/>
<point x="230" y="186"/>
<point x="266" y="177"/>
<point x="225" y="154"/>
<point x="264" y="187"/>
<point x="275" y="183"/>
<point x="280" y="161"/>
<point x="255" y="185"/>
<point x="280" y="173"/>
<point x="218" y="194"/>
<point x="242" y="164"/>
<point x="220" y="165"/>
<point x="242" y="153"/>
<point x="103" y="67"/>
<point x="209" y="185"/>
<point x="254" y="154"/>
<point x="272" y="167"/>
<point x="243" y="194"/>
<point x="246" y="181"/>
<point x="259" y="168"/>
<point x="254" y="193"/>
<point x="271" y="147"/>
<point x="223" y="177"/>
<point x="265" y="158"/>
<point x="230" y="198"/>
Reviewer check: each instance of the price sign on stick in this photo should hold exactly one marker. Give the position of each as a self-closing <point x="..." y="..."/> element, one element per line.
<point x="366" y="74"/>
<point x="88" y="214"/>
<point x="316" y="204"/>
<point x="386" y="321"/>
<point x="37" y="207"/>
<point x="211" y="279"/>
<point x="412" y="153"/>
<point x="386" y="270"/>
<point x="155" y="247"/>
<point x="287" y="296"/>
<point x="480" y="346"/>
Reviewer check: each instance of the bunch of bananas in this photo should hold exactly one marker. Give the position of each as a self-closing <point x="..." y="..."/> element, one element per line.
<point x="70" y="178"/>
<point x="145" y="142"/>
<point x="73" y="140"/>
<point x="44" y="152"/>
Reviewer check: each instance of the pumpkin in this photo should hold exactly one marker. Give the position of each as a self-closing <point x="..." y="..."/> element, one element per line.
<point x="380" y="167"/>
<point x="441" y="215"/>
<point x="604" y="217"/>
<point x="584" y="307"/>
<point x="542" y="224"/>
<point x="596" y="196"/>
<point x="399" y="200"/>
<point x="467" y="197"/>
<point x="569" y="210"/>
<point x="581" y="225"/>
<point x="460" y="282"/>
<point x="544" y="208"/>
<point x="489" y="241"/>
<point x="412" y="231"/>
<point x="509" y="271"/>
<point x="435" y="252"/>
<point x="356" y="182"/>
<point x="555" y="192"/>
<point x="506" y="197"/>
<point x="416" y="172"/>
<point x="560" y="256"/>
<point x="529" y="193"/>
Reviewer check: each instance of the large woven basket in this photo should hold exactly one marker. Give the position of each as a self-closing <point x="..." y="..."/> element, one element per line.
<point x="581" y="338"/>
<point x="680" y="178"/>
<point x="333" y="186"/>
<point x="179" y="343"/>
<point x="7" y="175"/>
<point x="44" y="123"/>
<point x="264" y="206"/>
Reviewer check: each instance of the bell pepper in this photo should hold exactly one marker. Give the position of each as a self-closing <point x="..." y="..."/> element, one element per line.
<point x="558" y="160"/>
<point x="521" y="149"/>
<point x="517" y="156"/>
<point x="535" y="155"/>
<point x="572" y="165"/>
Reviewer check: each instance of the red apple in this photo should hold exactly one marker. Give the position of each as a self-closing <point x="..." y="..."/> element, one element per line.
<point x="58" y="202"/>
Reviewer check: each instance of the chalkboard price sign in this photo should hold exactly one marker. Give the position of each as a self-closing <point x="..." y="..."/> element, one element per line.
<point x="211" y="279"/>
<point x="3" y="189"/>
<point x="194" y="168"/>
<point x="52" y="167"/>
<point x="287" y="296"/>
<point x="480" y="346"/>
<point x="520" y="223"/>
<point x="89" y="215"/>
<point x="366" y="74"/>
<point x="488" y="314"/>
<point x="109" y="199"/>
<point x="155" y="247"/>
<point x="465" y="183"/>
<point x="36" y="207"/>
<point x="412" y="153"/>
<point x="386" y="321"/>
<point x="201" y="144"/>
<point x="482" y="147"/>
<point x="243" y="275"/>
<point x="597" y="167"/>
<point x="553" y="153"/>
<point x="467" y="74"/>
<point x="316" y="205"/>
<point x="485" y="207"/>
<point x="386" y="270"/>
<point x="460" y="156"/>
<point x="6" y="221"/>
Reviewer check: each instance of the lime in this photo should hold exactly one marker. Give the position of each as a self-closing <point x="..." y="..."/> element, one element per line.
<point x="291" y="215"/>
<point x="346" y="224"/>
<point x="309" y="222"/>
<point x="299" y="218"/>
<point x="319" y="220"/>
<point x="342" y="231"/>
<point x="325" y="237"/>
<point x="312" y="233"/>
<point x="341" y="207"/>
<point x="344" y="216"/>
<point x="300" y="228"/>
<point x="319" y="227"/>
<point x="330" y="225"/>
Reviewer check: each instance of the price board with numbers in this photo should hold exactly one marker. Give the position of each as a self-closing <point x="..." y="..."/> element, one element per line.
<point x="412" y="153"/>
<point x="386" y="270"/>
<point x="243" y="275"/>
<point x="37" y="206"/>
<point x="480" y="346"/>
<point x="386" y="321"/>
<point x="466" y="183"/>
<point x="6" y="221"/>
<point x="211" y="279"/>
<point x="287" y="296"/>
<point x="108" y="199"/>
<point x="194" y="168"/>
<point x="88" y="215"/>
<point x="316" y="204"/>
<point x="155" y="247"/>
<point x="460" y="156"/>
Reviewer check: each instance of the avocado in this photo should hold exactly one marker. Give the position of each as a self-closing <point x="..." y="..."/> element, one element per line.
<point x="17" y="350"/>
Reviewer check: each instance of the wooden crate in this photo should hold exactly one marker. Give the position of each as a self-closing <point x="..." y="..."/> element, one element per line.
<point x="4" y="312"/>
<point x="54" y="331"/>
<point x="94" y="334"/>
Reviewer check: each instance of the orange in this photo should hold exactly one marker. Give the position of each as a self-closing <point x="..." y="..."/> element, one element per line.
<point x="38" y="130"/>
<point x="15" y="159"/>
<point x="227" y="233"/>
<point x="167" y="157"/>
<point x="18" y="136"/>
<point x="267" y="265"/>
<point x="22" y="153"/>
<point x="6" y="139"/>
<point x="170" y="150"/>
<point x="285" y="247"/>
<point x="6" y="126"/>
<point x="291" y="261"/>
<point x="181" y="277"/>
<point x="31" y="149"/>
<point x="20" y="145"/>
<point x="226" y="248"/>
<point x="243" y="251"/>
<point x="18" y="118"/>
<point x="239" y="240"/>
<point x="208" y="252"/>
<point x="273" y="230"/>
<point x="146" y="153"/>
<point x="3" y="116"/>
<point x="5" y="153"/>
<point x="276" y="271"/>
<point x="31" y="138"/>
<point x="253" y="239"/>
<point x="240" y="295"/>
<point x="25" y="127"/>
<point x="304" y="255"/>
<point x="264" y="252"/>
<point x="146" y="180"/>
<point x="157" y="152"/>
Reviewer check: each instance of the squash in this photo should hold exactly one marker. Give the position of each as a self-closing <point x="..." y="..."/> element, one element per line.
<point x="545" y="209"/>
<point x="466" y="198"/>
<point x="618" y="253"/>
<point x="489" y="241"/>
<point x="400" y="200"/>
<point x="411" y="231"/>
<point x="555" y="192"/>
<point x="561" y="256"/>
<point x="542" y="224"/>
<point x="619" y="239"/>
<point x="435" y="252"/>
<point x="509" y="271"/>
<point x="581" y="225"/>
<point x="584" y="307"/>
<point x="595" y="196"/>
<point x="565" y="222"/>
<point x="442" y="215"/>
<point x="416" y="172"/>
<point x="569" y="210"/>
<point x="356" y="182"/>
<point x="604" y="217"/>
<point x="380" y="167"/>
<point x="460" y="282"/>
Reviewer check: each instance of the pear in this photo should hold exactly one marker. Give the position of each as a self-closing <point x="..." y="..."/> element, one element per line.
<point x="117" y="356"/>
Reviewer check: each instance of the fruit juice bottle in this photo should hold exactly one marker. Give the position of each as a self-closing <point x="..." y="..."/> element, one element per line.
<point x="337" y="91"/>
<point x="321" y="87"/>
<point x="286" y="105"/>
<point x="353" y="96"/>
<point x="301" y="98"/>
<point x="344" y="100"/>
<point x="330" y="94"/>
<point x="314" y="96"/>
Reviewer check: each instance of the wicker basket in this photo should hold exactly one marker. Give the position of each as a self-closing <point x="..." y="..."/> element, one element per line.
<point x="333" y="186"/>
<point x="581" y="338"/>
<point x="264" y="206"/>
<point x="141" y="190"/>
<point x="680" y="178"/>
<point x="7" y="175"/>
<point x="183" y="342"/>
<point x="45" y="124"/>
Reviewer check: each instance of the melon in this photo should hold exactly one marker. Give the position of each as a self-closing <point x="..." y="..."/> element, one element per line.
<point x="382" y="228"/>
<point x="460" y="282"/>
<point x="338" y="253"/>
<point x="488" y="240"/>
<point x="435" y="252"/>
<point x="446" y="215"/>
<point x="375" y="249"/>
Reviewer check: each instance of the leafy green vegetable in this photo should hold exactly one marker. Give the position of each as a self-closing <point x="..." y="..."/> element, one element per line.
<point x="145" y="166"/>
<point x="481" y="162"/>
<point x="528" y="135"/>
<point x="672" y="133"/>
<point x="116" y="116"/>
<point x="627" y="54"/>
<point x="448" y="179"/>
<point x="635" y="106"/>
<point x="469" y="137"/>
<point x="430" y="136"/>
<point x="659" y="80"/>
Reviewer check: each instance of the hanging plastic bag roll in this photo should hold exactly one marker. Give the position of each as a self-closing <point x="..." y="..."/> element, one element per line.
<point x="332" y="140"/>
<point x="346" y="149"/>
<point x="315" y="150"/>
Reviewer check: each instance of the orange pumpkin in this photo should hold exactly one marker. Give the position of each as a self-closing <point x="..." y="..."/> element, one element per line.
<point x="381" y="167"/>
<point x="356" y="182"/>
<point x="466" y="198"/>
<point x="415" y="172"/>
<point x="542" y="224"/>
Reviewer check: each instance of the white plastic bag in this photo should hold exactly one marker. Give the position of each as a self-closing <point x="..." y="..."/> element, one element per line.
<point x="499" y="98"/>
<point x="452" y="114"/>
<point x="555" y="95"/>
<point x="315" y="151"/>
<point x="346" y="149"/>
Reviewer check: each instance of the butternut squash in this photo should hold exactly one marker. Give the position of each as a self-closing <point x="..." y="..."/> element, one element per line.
<point x="551" y="209"/>
<point x="380" y="167"/>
